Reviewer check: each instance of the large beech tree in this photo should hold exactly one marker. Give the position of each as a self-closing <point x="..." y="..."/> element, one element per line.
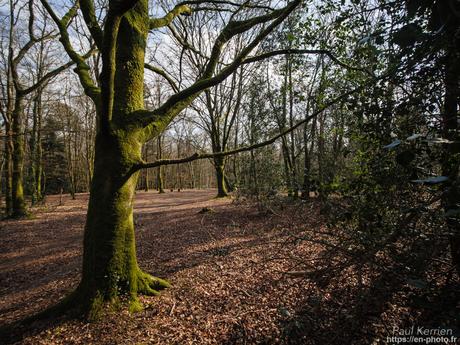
<point x="110" y="268"/>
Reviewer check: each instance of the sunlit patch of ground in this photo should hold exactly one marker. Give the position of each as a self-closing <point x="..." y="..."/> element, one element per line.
<point x="241" y="273"/>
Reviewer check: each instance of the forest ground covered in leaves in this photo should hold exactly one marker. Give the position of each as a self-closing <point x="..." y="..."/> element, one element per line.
<point x="242" y="271"/>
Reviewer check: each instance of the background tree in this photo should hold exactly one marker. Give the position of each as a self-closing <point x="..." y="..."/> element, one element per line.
<point x="16" y="93"/>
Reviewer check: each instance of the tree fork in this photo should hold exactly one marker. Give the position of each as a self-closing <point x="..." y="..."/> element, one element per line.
<point x="110" y="268"/>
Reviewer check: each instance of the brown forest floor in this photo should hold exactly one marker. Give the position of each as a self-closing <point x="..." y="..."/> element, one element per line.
<point x="228" y="273"/>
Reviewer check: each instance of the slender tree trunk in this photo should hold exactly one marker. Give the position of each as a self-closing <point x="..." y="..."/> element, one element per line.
<point x="293" y="171"/>
<point x="70" y="162"/>
<point x="192" y="175"/>
<point x="8" y="169"/>
<point x="18" y="202"/>
<point x="178" y="168"/>
<point x="160" y="168"/>
<point x="36" y="144"/>
<point x="307" y="156"/>
<point x="306" y="166"/>
<point x="234" y="158"/>
<point x="146" y="176"/>
<point x="286" y="166"/>
<point x="255" y="179"/>
<point x="220" y="175"/>
<point x="35" y="148"/>
<point x="89" y="149"/>
<point x="320" y="155"/>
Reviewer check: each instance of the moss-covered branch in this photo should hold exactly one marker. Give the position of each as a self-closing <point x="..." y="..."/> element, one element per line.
<point x="156" y="23"/>
<point x="108" y="52"/>
<point x="82" y="69"/>
<point x="155" y="121"/>
<point x="89" y="15"/>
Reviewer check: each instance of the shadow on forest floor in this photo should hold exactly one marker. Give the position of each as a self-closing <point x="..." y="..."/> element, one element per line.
<point x="241" y="274"/>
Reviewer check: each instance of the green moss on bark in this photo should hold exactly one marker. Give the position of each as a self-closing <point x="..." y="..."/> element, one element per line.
<point x="19" y="209"/>
<point x="111" y="273"/>
<point x="110" y="269"/>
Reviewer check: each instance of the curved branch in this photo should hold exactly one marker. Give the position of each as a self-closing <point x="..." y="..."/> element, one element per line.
<point x="161" y="72"/>
<point x="184" y="43"/>
<point x="305" y="51"/>
<point x="196" y="156"/>
<point x="82" y="69"/>
<point x="225" y="2"/>
<point x="27" y="46"/>
<point x="179" y="101"/>
<point x="156" y="23"/>
<point x="45" y="78"/>
<point x="89" y="15"/>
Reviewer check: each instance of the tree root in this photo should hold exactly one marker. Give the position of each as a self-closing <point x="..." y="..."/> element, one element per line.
<point x="150" y="285"/>
<point x="91" y="305"/>
<point x="146" y="285"/>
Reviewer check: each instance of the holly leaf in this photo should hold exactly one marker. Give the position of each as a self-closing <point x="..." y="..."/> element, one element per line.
<point x="414" y="136"/>
<point x="393" y="144"/>
<point x="432" y="180"/>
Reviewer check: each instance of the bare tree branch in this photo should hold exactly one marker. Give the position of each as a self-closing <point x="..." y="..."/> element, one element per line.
<point x="161" y="72"/>
<point x="224" y="2"/>
<point x="196" y="156"/>
<point x="179" y="101"/>
<point x="45" y="78"/>
<point x="305" y="51"/>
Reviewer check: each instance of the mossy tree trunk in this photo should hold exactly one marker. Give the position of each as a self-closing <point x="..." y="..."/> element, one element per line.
<point x="16" y="94"/>
<point x="18" y="202"/>
<point x="110" y="268"/>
